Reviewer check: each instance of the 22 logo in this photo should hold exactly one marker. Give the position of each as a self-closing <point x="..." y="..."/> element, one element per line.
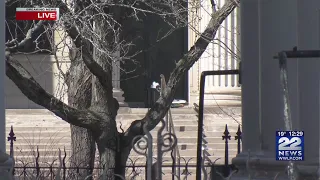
<point x="286" y="144"/>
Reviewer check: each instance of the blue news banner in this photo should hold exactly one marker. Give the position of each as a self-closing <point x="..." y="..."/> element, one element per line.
<point x="289" y="145"/>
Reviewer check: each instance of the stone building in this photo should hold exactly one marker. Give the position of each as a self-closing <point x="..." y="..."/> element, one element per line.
<point x="268" y="27"/>
<point x="135" y="87"/>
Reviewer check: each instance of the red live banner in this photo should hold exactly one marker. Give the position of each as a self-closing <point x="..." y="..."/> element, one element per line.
<point x="51" y="14"/>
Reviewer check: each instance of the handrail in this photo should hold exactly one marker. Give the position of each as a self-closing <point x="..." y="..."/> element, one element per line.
<point x="200" y="117"/>
<point x="175" y="154"/>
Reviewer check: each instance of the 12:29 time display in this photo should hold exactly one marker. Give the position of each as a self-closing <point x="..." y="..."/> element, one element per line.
<point x="295" y="133"/>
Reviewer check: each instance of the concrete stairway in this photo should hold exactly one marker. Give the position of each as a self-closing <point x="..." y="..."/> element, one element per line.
<point x="39" y="128"/>
<point x="223" y="97"/>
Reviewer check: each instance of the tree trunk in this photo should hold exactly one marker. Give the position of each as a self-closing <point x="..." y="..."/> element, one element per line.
<point x="120" y="166"/>
<point x="105" y="105"/>
<point x="79" y="96"/>
<point x="100" y="119"/>
<point x="122" y="155"/>
<point x="107" y="160"/>
<point x="114" y="156"/>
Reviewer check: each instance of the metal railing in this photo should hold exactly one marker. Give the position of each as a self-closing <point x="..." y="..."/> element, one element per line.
<point x="204" y="74"/>
<point x="175" y="154"/>
<point x="177" y="169"/>
<point x="42" y="167"/>
<point x="282" y="57"/>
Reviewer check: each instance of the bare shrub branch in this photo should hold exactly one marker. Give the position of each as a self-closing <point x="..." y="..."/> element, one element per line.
<point x="161" y="106"/>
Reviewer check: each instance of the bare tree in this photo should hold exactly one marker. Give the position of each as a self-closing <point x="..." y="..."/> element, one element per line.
<point x="95" y="28"/>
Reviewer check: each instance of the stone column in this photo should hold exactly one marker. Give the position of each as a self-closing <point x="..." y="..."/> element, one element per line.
<point x="219" y="90"/>
<point x="117" y="91"/>
<point x="194" y="71"/>
<point x="2" y="84"/>
<point x="267" y="27"/>
<point x="6" y="162"/>
<point x="309" y="77"/>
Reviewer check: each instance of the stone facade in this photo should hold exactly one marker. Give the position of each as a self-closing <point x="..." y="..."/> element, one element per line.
<point x="222" y="54"/>
<point x="268" y="27"/>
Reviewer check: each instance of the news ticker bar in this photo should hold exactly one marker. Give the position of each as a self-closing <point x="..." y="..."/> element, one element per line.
<point x="37" y="14"/>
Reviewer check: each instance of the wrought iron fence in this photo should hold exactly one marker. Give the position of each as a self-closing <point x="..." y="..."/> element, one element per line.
<point x="175" y="153"/>
<point x="149" y="168"/>
<point x="152" y="167"/>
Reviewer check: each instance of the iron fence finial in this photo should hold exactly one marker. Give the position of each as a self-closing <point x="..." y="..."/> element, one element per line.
<point x="226" y="135"/>
<point x="238" y="137"/>
<point x="11" y="138"/>
<point x="239" y="134"/>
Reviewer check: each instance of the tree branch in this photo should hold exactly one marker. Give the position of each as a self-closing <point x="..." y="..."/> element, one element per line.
<point x="214" y="5"/>
<point x="103" y="76"/>
<point x="163" y="104"/>
<point x="33" y="91"/>
<point x="14" y="45"/>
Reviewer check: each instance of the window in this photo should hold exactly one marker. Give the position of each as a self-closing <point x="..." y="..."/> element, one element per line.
<point x="18" y="30"/>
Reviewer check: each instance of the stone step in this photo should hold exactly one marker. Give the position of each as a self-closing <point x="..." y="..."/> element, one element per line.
<point x="139" y="167"/>
<point x="123" y="110"/>
<point x="194" y="128"/>
<point x="140" y="176"/>
<point x="66" y="133"/>
<point x="189" y="153"/>
<point x="222" y="97"/>
<point x="51" y="140"/>
<point x="131" y="111"/>
<point x="138" y="160"/>
<point x="214" y="114"/>
<point x="231" y="99"/>
<point x="212" y="110"/>
<point x="58" y="129"/>
<point x="166" y="173"/>
<point x="183" y="153"/>
<point x="124" y="123"/>
<point x="46" y="174"/>
<point x="175" y="116"/>
<point x="182" y="146"/>
<point x="184" y="110"/>
<point x="119" y="116"/>
<point x="222" y="103"/>
<point x="177" y="124"/>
